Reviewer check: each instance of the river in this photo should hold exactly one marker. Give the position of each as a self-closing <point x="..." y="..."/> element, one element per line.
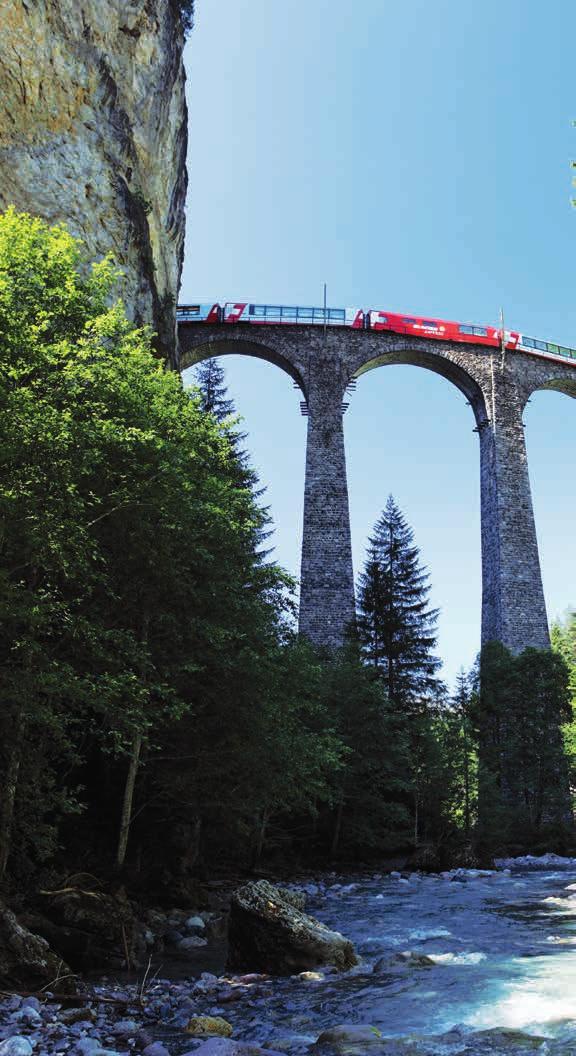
<point x="503" y="953"/>
<point x="462" y="964"/>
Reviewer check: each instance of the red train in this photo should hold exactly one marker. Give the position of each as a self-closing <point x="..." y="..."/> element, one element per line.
<point x="358" y="319"/>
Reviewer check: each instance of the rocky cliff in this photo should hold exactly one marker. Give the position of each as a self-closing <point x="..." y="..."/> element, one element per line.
<point x="93" y="132"/>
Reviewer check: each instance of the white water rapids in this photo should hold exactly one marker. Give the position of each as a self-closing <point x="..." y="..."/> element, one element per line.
<point x="503" y="948"/>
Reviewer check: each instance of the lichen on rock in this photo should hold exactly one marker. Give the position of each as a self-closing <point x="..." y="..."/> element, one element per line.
<point x="93" y="133"/>
<point x="268" y="933"/>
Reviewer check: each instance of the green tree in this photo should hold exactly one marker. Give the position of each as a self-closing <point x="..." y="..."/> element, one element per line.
<point x="371" y="790"/>
<point x="209" y="378"/>
<point x="128" y="562"/>
<point x="563" y="637"/>
<point x="519" y="714"/>
<point x="396" y="626"/>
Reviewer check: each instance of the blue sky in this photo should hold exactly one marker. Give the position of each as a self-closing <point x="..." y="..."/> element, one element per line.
<point x="415" y="157"/>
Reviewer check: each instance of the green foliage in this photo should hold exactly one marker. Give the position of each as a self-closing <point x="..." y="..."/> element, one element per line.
<point x="521" y="708"/>
<point x="157" y="705"/>
<point x="563" y="636"/>
<point x="128" y="546"/>
<point x="371" y="789"/>
<point x="396" y="627"/>
<point x="209" y="378"/>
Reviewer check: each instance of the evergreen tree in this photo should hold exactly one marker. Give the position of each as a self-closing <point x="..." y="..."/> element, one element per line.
<point x="210" y="381"/>
<point x="396" y="626"/>
<point x="130" y="587"/>
<point x="371" y="788"/>
<point x="464" y="752"/>
<point x="210" y="386"/>
<point x="518" y="716"/>
<point x="563" y="637"/>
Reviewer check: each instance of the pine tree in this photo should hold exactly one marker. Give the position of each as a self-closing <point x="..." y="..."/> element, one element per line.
<point x="466" y="756"/>
<point x="210" y="380"/>
<point x="523" y="775"/>
<point x="210" y="385"/>
<point x="396" y="626"/>
<point x="563" y="637"/>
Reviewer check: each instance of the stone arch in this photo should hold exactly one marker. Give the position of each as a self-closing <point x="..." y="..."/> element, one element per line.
<point x="567" y="386"/>
<point x="439" y="364"/>
<point x="210" y="345"/>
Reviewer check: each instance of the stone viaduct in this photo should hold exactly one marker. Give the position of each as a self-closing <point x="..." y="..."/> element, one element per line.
<point x="496" y="388"/>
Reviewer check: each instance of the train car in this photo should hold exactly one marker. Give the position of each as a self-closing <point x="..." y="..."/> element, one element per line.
<point x="440" y="329"/>
<point x="546" y="348"/>
<point x="241" y="312"/>
<point x="198" y="313"/>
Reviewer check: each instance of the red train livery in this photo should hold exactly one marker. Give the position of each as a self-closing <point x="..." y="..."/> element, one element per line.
<point x="358" y="319"/>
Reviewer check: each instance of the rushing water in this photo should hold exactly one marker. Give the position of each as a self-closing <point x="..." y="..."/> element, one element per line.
<point x="503" y="948"/>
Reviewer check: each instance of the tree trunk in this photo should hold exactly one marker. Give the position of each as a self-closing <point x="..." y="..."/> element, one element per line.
<point x="466" y="786"/>
<point x="9" y="788"/>
<point x="337" y="829"/>
<point x="126" y="816"/>
<point x="261" y="838"/>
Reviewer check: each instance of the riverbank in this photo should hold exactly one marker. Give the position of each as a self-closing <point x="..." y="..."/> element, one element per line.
<point x="463" y="962"/>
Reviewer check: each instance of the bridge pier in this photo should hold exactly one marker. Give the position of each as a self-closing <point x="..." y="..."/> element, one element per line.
<point x="326" y="579"/>
<point x="513" y="606"/>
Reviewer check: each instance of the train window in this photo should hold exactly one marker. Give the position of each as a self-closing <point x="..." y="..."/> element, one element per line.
<point x="552" y="348"/>
<point x="305" y="313"/>
<point x="381" y="317"/>
<point x="428" y="322"/>
<point x="258" y="310"/>
<point x="466" y="329"/>
<point x="480" y="331"/>
<point x="541" y="345"/>
<point x="335" y="313"/>
<point x="289" y="313"/>
<point x="410" y="322"/>
<point x="250" y="309"/>
<point x="528" y="341"/>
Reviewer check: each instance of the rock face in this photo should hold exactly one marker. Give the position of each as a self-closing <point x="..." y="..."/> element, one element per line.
<point x="91" y="930"/>
<point x="269" y="934"/>
<point x="26" y="960"/>
<point x="93" y="133"/>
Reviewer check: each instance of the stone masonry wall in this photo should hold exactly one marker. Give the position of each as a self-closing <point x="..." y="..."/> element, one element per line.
<point x="513" y="608"/>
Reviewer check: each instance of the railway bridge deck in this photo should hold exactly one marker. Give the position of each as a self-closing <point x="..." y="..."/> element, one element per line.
<point x="324" y="364"/>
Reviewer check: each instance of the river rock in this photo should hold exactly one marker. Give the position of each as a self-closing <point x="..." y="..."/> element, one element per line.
<point x="26" y="960"/>
<point x="269" y="934"/>
<point x="404" y="959"/>
<point x="294" y="898"/>
<point x="209" y="1025"/>
<point x="91" y="929"/>
<point x="191" y="942"/>
<point x="501" y="1040"/>
<point x="349" y="1039"/>
<point x="195" y="923"/>
<point x="227" y="1047"/>
<point x="16" y="1046"/>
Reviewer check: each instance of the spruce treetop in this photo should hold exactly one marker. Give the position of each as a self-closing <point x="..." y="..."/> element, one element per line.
<point x="396" y="626"/>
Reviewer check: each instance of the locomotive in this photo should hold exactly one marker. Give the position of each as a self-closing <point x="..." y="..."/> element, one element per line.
<point x="373" y="319"/>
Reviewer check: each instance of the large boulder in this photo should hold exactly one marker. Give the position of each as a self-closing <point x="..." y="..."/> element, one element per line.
<point x="91" y="929"/>
<point x="267" y="933"/>
<point x="26" y="960"/>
